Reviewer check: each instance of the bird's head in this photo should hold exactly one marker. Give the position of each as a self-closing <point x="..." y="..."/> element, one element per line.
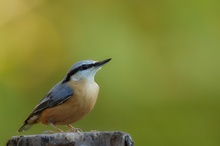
<point x="85" y="69"/>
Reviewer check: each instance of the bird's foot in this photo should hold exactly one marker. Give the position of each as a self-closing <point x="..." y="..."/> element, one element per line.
<point x="73" y="129"/>
<point x="49" y="132"/>
<point x="54" y="126"/>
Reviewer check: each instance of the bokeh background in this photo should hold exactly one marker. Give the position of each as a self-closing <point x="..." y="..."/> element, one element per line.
<point x="162" y="85"/>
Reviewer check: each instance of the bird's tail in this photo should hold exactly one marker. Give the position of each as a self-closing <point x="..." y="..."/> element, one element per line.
<point x="25" y="127"/>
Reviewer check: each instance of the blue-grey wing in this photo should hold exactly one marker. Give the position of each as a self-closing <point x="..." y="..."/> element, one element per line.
<point x="57" y="95"/>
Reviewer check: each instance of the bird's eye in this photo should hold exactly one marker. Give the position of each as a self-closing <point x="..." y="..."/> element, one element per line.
<point x="84" y="67"/>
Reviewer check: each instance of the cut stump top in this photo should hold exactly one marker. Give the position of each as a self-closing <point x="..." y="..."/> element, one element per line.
<point x="108" y="138"/>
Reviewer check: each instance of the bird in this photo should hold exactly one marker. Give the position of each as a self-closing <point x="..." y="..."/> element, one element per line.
<point x="70" y="99"/>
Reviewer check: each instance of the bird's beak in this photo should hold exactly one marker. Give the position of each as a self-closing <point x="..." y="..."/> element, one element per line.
<point x="101" y="63"/>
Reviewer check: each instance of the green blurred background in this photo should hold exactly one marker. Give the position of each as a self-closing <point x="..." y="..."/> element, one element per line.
<point x="162" y="85"/>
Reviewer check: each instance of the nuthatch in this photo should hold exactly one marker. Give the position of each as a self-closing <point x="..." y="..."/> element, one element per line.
<point x="70" y="99"/>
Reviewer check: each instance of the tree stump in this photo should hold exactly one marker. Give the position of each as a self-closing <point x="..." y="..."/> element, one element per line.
<point x="113" y="138"/>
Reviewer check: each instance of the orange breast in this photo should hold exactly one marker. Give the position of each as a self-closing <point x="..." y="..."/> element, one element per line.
<point x="75" y="108"/>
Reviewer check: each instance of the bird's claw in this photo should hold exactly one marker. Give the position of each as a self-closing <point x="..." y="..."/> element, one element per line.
<point x="74" y="130"/>
<point x="49" y="132"/>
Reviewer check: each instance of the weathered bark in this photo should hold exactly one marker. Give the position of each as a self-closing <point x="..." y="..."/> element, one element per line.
<point x="113" y="138"/>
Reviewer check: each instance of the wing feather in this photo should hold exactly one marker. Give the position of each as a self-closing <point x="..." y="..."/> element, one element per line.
<point x="57" y="95"/>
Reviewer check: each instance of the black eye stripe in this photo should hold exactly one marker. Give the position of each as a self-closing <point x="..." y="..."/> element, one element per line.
<point x="86" y="66"/>
<point x="72" y="72"/>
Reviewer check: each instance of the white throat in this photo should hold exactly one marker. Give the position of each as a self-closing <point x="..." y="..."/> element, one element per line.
<point x="78" y="78"/>
<point x="87" y="75"/>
